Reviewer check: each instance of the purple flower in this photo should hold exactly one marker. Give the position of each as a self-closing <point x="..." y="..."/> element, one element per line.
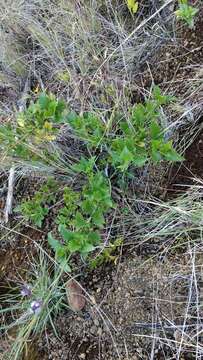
<point x="26" y="291"/>
<point x="36" y="306"/>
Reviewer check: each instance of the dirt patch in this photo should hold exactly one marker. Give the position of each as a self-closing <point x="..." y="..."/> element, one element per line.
<point x="176" y="60"/>
<point x="143" y="306"/>
<point x="182" y="175"/>
<point x="15" y="256"/>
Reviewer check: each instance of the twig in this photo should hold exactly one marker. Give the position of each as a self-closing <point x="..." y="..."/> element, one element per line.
<point x="9" y="199"/>
<point x="11" y="178"/>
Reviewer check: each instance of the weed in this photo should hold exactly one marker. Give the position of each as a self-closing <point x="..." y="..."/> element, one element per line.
<point x="36" y="209"/>
<point x="81" y="219"/>
<point x="35" y="129"/>
<point x="142" y="139"/>
<point x="67" y="212"/>
<point x="136" y="141"/>
<point x="186" y="13"/>
<point x="107" y="254"/>
<point x="87" y="127"/>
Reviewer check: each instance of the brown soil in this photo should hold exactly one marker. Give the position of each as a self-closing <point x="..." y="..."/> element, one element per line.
<point x="179" y="60"/>
<point x="125" y="304"/>
<point x="15" y="257"/>
<point x="185" y="174"/>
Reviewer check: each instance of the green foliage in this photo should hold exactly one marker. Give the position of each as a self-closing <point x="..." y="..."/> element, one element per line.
<point x="81" y="218"/>
<point x="107" y="255"/>
<point x="136" y="141"/>
<point x="88" y="127"/>
<point x="35" y="127"/>
<point x="186" y="13"/>
<point x="121" y="143"/>
<point x="67" y="212"/>
<point x="96" y="199"/>
<point x="132" y="6"/>
<point x="142" y="140"/>
<point x="85" y="166"/>
<point x="46" y="109"/>
<point x="36" y="209"/>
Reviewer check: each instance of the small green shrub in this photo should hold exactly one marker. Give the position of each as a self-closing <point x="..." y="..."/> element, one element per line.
<point x="186" y="13"/>
<point x="34" y="129"/>
<point x="118" y="143"/>
<point x="36" y="209"/>
<point x="33" y="210"/>
<point x="67" y="212"/>
<point x="121" y="142"/>
<point x="132" y="6"/>
<point x="142" y="139"/>
<point x="107" y="254"/>
<point x="135" y="141"/>
<point x="82" y="218"/>
<point x="87" y="127"/>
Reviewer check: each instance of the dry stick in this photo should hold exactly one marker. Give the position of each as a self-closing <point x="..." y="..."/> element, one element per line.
<point x="11" y="178"/>
<point x="9" y="199"/>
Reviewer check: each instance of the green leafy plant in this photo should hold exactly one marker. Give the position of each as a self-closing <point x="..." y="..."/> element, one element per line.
<point x="142" y="139"/>
<point x="87" y="127"/>
<point x="82" y="218"/>
<point x="107" y="254"/>
<point x="67" y="212"/>
<point x="119" y="142"/>
<point x="34" y="129"/>
<point x="96" y="199"/>
<point x="33" y="210"/>
<point x="135" y="141"/>
<point x="36" y="208"/>
<point x="85" y="166"/>
<point x="186" y="13"/>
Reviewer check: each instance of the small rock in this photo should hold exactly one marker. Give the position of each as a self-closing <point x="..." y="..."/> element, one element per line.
<point x="75" y="295"/>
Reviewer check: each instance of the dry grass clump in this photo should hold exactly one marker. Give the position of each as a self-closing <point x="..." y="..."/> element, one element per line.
<point x="171" y="225"/>
<point x="89" y="52"/>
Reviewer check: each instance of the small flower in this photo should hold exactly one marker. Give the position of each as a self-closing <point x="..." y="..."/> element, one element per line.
<point x="36" y="306"/>
<point x="26" y="291"/>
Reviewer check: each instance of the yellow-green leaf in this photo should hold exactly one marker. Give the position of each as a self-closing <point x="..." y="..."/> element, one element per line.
<point x="132" y="6"/>
<point x="21" y="121"/>
<point x="48" y="126"/>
